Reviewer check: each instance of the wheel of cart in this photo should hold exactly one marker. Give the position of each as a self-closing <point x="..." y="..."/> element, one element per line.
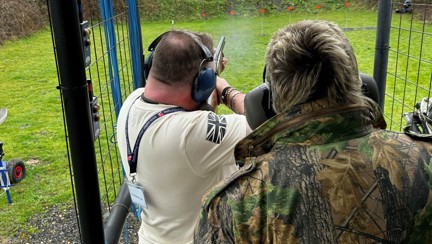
<point x="16" y="170"/>
<point x="10" y="172"/>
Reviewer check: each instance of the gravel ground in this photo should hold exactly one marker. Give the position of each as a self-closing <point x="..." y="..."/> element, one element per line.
<point x="60" y="226"/>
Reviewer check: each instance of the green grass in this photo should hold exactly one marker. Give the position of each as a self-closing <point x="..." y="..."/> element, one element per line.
<point x="247" y="38"/>
<point x="34" y="127"/>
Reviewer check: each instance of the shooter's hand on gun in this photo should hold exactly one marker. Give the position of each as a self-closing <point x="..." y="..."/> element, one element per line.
<point x="222" y="63"/>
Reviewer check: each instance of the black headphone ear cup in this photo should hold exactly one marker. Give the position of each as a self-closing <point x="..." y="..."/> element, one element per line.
<point x="269" y="93"/>
<point x="369" y="87"/>
<point x="257" y="109"/>
<point x="270" y="109"/>
<point x="204" y="84"/>
<point x="148" y="64"/>
<point x="151" y="48"/>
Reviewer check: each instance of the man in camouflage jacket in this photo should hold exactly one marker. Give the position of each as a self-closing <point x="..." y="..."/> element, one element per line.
<point x="321" y="171"/>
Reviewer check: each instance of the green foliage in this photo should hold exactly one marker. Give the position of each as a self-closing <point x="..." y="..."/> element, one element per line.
<point x="186" y="10"/>
<point x="20" y="18"/>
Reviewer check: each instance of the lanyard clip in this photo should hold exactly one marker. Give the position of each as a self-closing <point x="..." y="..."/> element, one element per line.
<point x="133" y="177"/>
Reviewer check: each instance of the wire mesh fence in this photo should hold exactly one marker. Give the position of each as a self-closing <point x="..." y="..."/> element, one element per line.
<point x="111" y="59"/>
<point x="107" y="63"/>
<point x="111" y="74"/>
<point x="409" y="71"/>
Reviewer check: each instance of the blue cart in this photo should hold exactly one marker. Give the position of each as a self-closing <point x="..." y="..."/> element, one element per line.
<point x="10" y="172"/>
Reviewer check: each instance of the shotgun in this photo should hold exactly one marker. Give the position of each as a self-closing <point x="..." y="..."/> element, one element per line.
<point x="218" y="56"/>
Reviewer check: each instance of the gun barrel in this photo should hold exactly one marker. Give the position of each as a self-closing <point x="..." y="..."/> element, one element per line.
<point x="3" y="115"/>
<point x="218" y="56"/>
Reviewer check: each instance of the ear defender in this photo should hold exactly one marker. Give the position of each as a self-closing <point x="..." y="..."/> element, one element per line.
<point x="147" y="65"/>
<point x="369" y="87"/>
<point x="205" y="81"/>
<point x="258" y="104"/>
<point x="148" y="61"/>
<point x="204" y="84"/>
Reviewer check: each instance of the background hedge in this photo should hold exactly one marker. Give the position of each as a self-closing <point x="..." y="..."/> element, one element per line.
<point x="20" y="18"/>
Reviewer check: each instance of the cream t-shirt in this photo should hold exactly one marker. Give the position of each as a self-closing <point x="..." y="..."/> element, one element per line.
<point x="181" y="155"/>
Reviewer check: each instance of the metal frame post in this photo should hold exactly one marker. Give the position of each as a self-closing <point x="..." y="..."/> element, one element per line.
<point x="68" y="47"/>
<point x="382" y="47"/>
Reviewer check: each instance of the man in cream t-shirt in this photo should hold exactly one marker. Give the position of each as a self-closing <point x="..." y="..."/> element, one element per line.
<point x="183" y="151"/>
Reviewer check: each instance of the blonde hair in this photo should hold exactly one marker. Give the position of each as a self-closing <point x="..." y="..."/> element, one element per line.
<point x="309" y="60"/>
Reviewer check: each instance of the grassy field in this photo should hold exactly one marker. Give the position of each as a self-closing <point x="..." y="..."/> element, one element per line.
<point x="34" y="129"/>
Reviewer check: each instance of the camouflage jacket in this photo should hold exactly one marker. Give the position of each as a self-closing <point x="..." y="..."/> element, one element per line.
<point x="321" y="173"/>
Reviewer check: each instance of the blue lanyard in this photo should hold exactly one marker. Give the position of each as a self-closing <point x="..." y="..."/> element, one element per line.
<point x="133" y="155"/>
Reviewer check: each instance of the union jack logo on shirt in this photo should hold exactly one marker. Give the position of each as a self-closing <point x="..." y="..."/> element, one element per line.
<point x="216" y="128"/>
